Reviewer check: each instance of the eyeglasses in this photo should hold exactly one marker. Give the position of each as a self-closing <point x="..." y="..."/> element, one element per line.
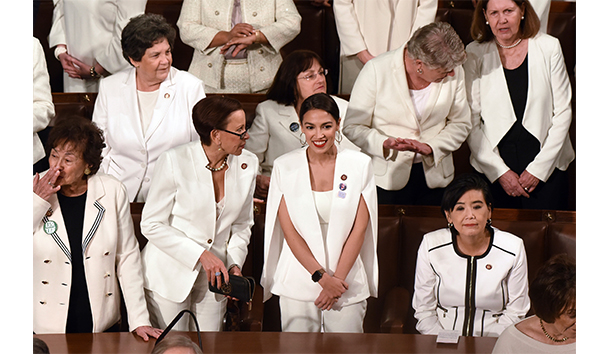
<point x="242" y="136"/>
<point x="314" y="76"/>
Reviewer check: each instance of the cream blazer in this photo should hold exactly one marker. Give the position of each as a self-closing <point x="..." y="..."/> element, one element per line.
<point x="380" y="107"/>
<point x="43" y="107"/>
<point x="91" y="30"/>
<point x="111" y="253"/>
<point x="200" y="20"/>
<point x="271" y="135"/>
<point x="547" y="115"/>
<point x="283" y="275"/>
<point x="130" y="155"/>
<point x="179" y="218"/>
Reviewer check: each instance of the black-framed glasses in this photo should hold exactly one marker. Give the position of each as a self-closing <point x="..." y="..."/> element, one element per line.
<point x="242" y="136"/>
<point x="314" y="76"/>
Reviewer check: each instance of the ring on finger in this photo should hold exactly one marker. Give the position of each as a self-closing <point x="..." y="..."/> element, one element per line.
<point x="526" y="189"/>
<point x="218" y="274"/>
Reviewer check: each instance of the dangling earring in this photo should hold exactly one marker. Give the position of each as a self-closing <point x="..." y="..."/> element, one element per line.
<point x="489" y="222"/>
<point x="302" y="139"/>
<point x="87" y="171"/>
<point x="220" y="146"/>
<point x="338" y="137"/>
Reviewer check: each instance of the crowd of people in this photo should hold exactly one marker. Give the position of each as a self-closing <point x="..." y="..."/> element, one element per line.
<point x="321" y="163"/>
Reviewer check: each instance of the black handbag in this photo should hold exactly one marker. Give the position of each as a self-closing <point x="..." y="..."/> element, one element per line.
<point x="241" y="288"/>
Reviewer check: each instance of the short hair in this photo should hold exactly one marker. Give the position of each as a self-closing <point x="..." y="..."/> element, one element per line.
<point x="553" y="291"/>
<point x="481" y="32"/>
<point x="211" y="113"/>
<point x="283" y="90"/>
<point x="40" y="347"/>
<point x="144" y="31"/>
<point x="321" y="101"/>
<point x="84" y="136"/>
<point x="176" y="341"/>
<point x="437" y="45"/>
<point x="462" y="184"/>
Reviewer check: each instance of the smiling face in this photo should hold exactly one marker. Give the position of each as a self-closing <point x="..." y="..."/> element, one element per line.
<point x="470" y="214"/>
<point x="305" y="87"/>
<point x="504" y="17"/>
<point x="319" y="128"/>
<point x="231" y="143"/>
<point x="155" y="63"/>
<point x="71" y="166"/>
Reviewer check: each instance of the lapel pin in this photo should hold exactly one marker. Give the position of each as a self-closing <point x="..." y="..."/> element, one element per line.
<point x="244" y="166"/>
<point x="488" y="266"/>
<point x="343" y="177"/>
<point x="342" y="194"/>
<point x="342" y="186"/>
<point x="294" y="126"/>
<point x="50" y="227"/>
<point x="166" y="95"/>
<point x="49" y="212"/>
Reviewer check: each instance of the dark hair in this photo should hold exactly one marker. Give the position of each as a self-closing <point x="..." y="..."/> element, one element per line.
<point x="144" y="31"/>
<point x="553" y="291"/>
<point x="211" y="113"/>
<point x="83" y="135"/>
<point x="283" y="90"/>
<point x="176" y="341"/>
<point x="321" y="101"/>
<point x="481" y="32"/>
<point x="437" y="45"/>
<point x="40" y="347"/>
<point x="462" y="184"/>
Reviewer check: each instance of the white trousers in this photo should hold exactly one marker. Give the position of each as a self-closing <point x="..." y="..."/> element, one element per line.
<point x="209" y="312"/>
<point x="304" y="316"/>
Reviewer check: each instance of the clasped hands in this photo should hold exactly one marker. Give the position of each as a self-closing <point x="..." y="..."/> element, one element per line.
<point x="76" y="69"/>
<point x="515" y="185"/>
<point x="401" y="144"/>
<point x="332" y="289"/>
<point x="241" y="35"/>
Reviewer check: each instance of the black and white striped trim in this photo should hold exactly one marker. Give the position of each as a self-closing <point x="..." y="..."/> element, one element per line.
<point x="59" y="242"/>
<point x="96" y="224"/>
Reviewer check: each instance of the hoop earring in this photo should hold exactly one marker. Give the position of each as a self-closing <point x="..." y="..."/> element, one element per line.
<point x="338" y="137"/>
<point x="302" y="139"/>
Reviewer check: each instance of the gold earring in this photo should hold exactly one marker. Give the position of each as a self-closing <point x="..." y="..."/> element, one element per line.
<point x="87" y="171"/>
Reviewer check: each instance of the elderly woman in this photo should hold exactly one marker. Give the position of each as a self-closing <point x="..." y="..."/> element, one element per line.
<point x="275" y="129"/>
<point x="470" y="276"/>
<point x="237" y="42"/>
<point x="321" y="229"/>
<point x="198" y="217"/>
<point x="84" y="240"/>
<point x="553" y="328"/>
<point x="520" y="95"/>
<point x="145" y="110"/>
<point x="408" y="111"/>
<point x="176" y="344"/>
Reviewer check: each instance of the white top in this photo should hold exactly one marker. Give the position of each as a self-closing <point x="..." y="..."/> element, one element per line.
<point x="146" y="105"/>
<point x="513" y="340"/>
<point x="420" y="99"/>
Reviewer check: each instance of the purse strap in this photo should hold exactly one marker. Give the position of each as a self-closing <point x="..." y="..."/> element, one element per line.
<point x="174" y="321"/>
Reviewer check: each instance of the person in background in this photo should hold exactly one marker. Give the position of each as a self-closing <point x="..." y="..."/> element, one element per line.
<point x="408" y="111"/>
<point x="87" y="39"/>
<point x="145" y="110"/>
<point x="40" y="347"/>
<point x="275" y="129"/>
<point x="553" y="327"/>
<point x="520" y="96"/>
<point x="43" y="107"/>
<point x="369" y="28"/>
<point x="542" y="8"/>
<point x="237" y="42"/>
<point x="84" y="242"/>
<point x="176" y="344"/>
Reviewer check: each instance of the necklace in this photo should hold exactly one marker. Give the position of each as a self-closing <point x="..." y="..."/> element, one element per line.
<point x="224" y="163"/>
<point x="551" y="337"/>
<point x="509" y="46"/>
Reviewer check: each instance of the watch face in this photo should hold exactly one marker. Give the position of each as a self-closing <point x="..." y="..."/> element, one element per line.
<point x="316" y="276"/>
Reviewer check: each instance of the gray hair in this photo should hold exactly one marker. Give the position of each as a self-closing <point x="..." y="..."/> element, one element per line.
<point x="176" y="341"/>
<point x="437" y="45"/>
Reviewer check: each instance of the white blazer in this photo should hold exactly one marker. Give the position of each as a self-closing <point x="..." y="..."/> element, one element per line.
<point x="179" y="218"/>
<point x="91" y="30"/>
<point x="130" y="155"/>
<point x="201" y="20"/>
<point x="43" y="107"/>
<point x="548" y="112"/>
<point x="276" y="131"/>
<point x="380" y="107"/>
<point x="111" y="253"/>
<point x="283" y="275"/>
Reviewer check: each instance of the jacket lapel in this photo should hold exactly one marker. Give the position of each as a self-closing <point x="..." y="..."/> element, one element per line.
<point x="204" y="178"/>
<point x="167" y="94"/>
<point x="400" y="80"/>
<point x="287" y="118"/>
<point x="94" y="211"/>
<point x="61" y="237"/>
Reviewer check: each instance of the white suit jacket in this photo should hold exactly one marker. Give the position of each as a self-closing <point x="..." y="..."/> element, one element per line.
<point x="380" y="107"/>
<point x="43" y="107"/>
<point x="271" y="135"/>
<point x="179" y="218"/>
<point x="111" y="253"/>
<point x="91" y="30"/>
<point x="547" y="115"/>
<point x="200" y="20"/>
<point x="130" y="155"/>
<point x="283" y="275"/>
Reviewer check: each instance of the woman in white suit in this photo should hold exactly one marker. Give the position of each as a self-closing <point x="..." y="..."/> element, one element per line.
<point x="408" y="111"/>
<point x="520" y="96"/>
<point x="145" y="110"/>
<point x="237" y="42"/>
<point x="275" y="129"/>
<point x="198" y="216"/>
<point x="321" y="229"/>
<point x="84" y="244"/>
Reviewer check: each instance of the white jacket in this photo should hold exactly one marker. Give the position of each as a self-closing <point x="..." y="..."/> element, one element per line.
<point x="43" y="107"/>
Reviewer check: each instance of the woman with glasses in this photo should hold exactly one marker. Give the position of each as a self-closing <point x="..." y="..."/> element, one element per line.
<point x="198" y="216"/>
<point x="275" y="130"/>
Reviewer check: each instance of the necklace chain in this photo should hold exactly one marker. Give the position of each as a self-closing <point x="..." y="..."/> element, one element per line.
<point x="551" y="337"/>
<point x="216" y="169"/>
<point x="509" y="46"/>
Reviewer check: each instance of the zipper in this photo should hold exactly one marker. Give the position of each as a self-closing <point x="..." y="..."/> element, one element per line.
<point x="470" y="308"/>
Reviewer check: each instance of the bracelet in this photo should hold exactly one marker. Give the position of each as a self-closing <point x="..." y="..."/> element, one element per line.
<point x="93" y="73"/>
<point x="258" y="40"/>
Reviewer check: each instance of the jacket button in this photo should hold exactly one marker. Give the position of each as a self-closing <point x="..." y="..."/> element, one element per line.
<point x="109" y="294"/>
<point x="106" y="275"/>
<point x="260" y="51"/>
<point x="209" y="65"/>
<point x="47" y="261"/>
<point x="262" y="68"/>
<point x="45" y="282"/>
<point x="254" y="14"/>
<point x="106" y="253"/>
<point x="209" y="241"/>
<point x="216" y="13"/>
<point x="143" y="165"/>
<point x="43" y="302"/>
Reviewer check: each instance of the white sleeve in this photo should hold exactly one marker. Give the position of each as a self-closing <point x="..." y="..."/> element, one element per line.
<point x="424" y="298"/>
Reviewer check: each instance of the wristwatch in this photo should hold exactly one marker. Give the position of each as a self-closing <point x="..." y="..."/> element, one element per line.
<point x="317" y="275"/>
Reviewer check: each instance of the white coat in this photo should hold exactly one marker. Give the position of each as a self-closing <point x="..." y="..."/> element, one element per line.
<point x="43" y="107"/>
<point x="548" y="112"/>
<point x="91" y="30"/>
<point x="283" y="275"/>
<point x="111" y="253"/>
<point x="130" y="155"/>
<point x="179" y="218"/>
<point x="380" y="107"/>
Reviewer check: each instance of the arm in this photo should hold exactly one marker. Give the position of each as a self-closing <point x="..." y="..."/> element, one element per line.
<point x="43" y="108"/>
<point x="354" y="241"/>
<point x="424" y="297"/>
<point x="195" y="33"/>
<point x="100" y="118"/>
<point x="348" y="29"/>
<point x="258" y="144"/>
<point x="286" y="27"/>
<point x="237" y="249"/>
<point x="57" y="35"/>
<point x="426" y="13"/>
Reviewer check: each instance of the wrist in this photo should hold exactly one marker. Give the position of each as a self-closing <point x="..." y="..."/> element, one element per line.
<point x="60" y="49"/>
<point x="318" y="275"/>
